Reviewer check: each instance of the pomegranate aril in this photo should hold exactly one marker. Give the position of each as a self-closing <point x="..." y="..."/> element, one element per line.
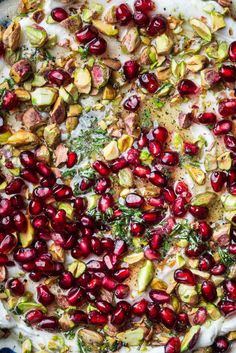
<point x="59" y="77"/>
<point x="8" y="243"/>
<point x="156" y="240"/>
<point x="149" y="82"/>
<point x="109" y="283"/>
<point x="182" y="322"/>
<point x="208" y="291"/>
<point x="168" y="194"/>
<point x="121" y="291"/>
<point x="153" y="312"/>
<point x="9" y="101"/>
<point x="59" y="14"/>
<point x="16" y="287"/>
<point x="169" y="158"/>
<point x="118" y="316"/>
<point x="42" y="192"/>
<point x="194" y="252"/>
<point x="191" y="149"/>
<point x="83" y="248"/>
<point x="227" y="306"/>
<point x="142" y="171"/>
<point x="131" y="69"/>
<point x="151" y="254"/>
<point x="141" y="19"/>
<point x="120" y="247"/>
<point x="159" y="296"/>
<point x="173" y="345"/>
<point x="157" y="178"/>
<point x="15" y="186"/>
<point x="221" y="345"/>
<point x="35" y="207"/>
<point x="102" y="185"/>
<point x="140" y="307"/>
<point x="25" y="255"/>
<point x="144" y="5"/>
<point x="205" y="231"/>
<point x="134" y="201"/>
<point x="230" y="289"/>
<point x="66" y="280"/>
<point x="230" y="142"/>
<point x="95" y="266"/>
<point x="179" y="207"/>
<point x="17" y="202"/>
<point x="142" y="141"/>
<point x="119" y="164"/>
<point x="34" y="316"/>
<point x="27" y="159"/>
<point x="232" y="51"/>
<point x="20" y="221"/>
<point x="200" y="316"/>
<point x="157" y="202"/>
<point x="199" y="212"/>
<point x="207" y="118"/>
<point x="83" y="280"/>
<point x="110" y="261"/>
<point x="218" y="269"/>
<point x="105" y="202"/>
<point x="123" y="14"/>
<point x="96" y="246"/>
<point x="104" y="306"/>
<point x="75" y="295"/>
<point x="187" y="87"/>
<point x="35" y="276"/>
<point x="227" y="107"/>
<point x="154" y="148"/>
<point x="185" y="276"/>
<point x="107" y="244"/>
<point x="222" y="127"/>
<point x="132" y="103"/>
<point x="62" y="192"/>
<point x="218" y="179"/>
<point x="137" y="229"/>
<point x="228" y="73"/>
<point x="157" y="26"/>
<point x="44" y="295"/>
<point x="232" y="249"/>
<point x="206" y="262"/>
<point x="86" y="34"/>
<point x="101" y="168"/>
<point x="122" y="274"/>
<point x="97" y="46"/>
<point x="5" y="207"/>
<point x="40" y="222"/>
<point x="151" y="217"/>
<point x="168" y="317"/>
<point x="43" y="169"/>
<point x="48" y="323"/>
<point x="79" y="317"/>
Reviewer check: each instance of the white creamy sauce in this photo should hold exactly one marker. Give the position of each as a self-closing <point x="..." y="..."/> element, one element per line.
<point x="187" y="9"/>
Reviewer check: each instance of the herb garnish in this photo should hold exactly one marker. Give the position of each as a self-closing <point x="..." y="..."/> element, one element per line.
<point x="226" y="258"/>
<point x="82" y="347"/>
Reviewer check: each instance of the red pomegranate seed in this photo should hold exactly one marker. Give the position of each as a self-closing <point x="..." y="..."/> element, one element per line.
<point x="187" y="87"/>
<point x="123" y="14"/>
<point x="87" y="221"/>
<point x="83" y="248"/>
<point x="101" y="168"/>
<point x="141" y="171"/>
<point x="218" y="270"/>
<point x="9" y="101"/>
<point x="40" y="222"/>
<point x="35" y="207"/>
<point x="228" y="73"/>
<point x="2" y="49"/>
<point x="168" y="317"/>
<point x="191" y="149"/>
<point x="194" y="252"/>
<point x="133" y="156"/>
<point x="151" y="217"/>
<point x="227" y="107"/>
<point x="79" y="204"/>
<point x="15" y="186"/>
<point x="104" y="306"/>
<point x="131" y="69"/>
<point x="185" y="276"/>
<point x="173" y="345"/>
<point x="66" y="280"/>
<point x="230" y="289"/>
<point x="86" y="34"/>
<point x="230" y="142"/>
<point x="105" y="202"/>
<point x="27" y="159"/>
<point x="75" y="295"/>
<point x="8" y="243"/>
<point x="44" y="295"/>
<point x="71" y="159"/>
<point x="16" y="287"/>
<point x="156" y="240"/>
<point x="157" y="26"/>
<point x="120" y="247"/>
<point x="79" y="317"/>
<point x="118" y="317"/>
<point x="43" y="169"/>
<point x="143" y="140"/>
<point x="179" y="207"/>
<point x="154" y="148"/>
<point x="227" y="306"/>
<point x="137" y="229"/>
<point x="218" y="179"/>
<point x="20" y="221"/>
<point x="206" y="262"/>
<point x="182" y="322"/>
<point x="207" y="118"/>
<point x="102" y="185"/>
<point x="134" y="201"/>
<point x="157" y="202"/>
<point x="121" y="291"/>
<point x="159" y="296"/>
<point x="222" y="127"/>
<point x="25" y="255"/>
<point x="141" y="19"/>
<point x="168" y="194"/>
<point x="140" y="308"/>
<point x="208" y="290"/>
<point x="149" y="82"/>
<point x="17" y="202"/>
<point x="170" y="158"/>
<point x="221" y="345"/>
<point x="96" y="246"/>
<point x="144" y="5"/>
<point x="119" y="164"/>
<point x="157" y="178"/>
<point x="59" y="77"/>
<point x="109" y="283"/>
<point x="5" y="207"/>
<point x="153" y="312"/>
<point x="110" y="261"/>
<point x="59" y="14"/>
<point x="30" y="176"/>
<point x="48" y="323"/>
<point x="199" y="212"/>
<point x="121" y="275"/>
<point x="205" y="231"/>
<point x="34" y="316"/>
<point x="3" y="259"/>
<point x="107" y="244"/>
<point x="232" y="51"/>
<point x="200" y="316"/>
<point x="151" y="254"/>
<point x="132" y="103"/>
<point x="160" y="134"/>
<point x="97" y="46"/>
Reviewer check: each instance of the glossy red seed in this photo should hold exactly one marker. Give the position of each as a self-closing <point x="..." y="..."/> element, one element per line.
<point x="168" y="194"/>
<point x="173" y="345"/>
<point x="191" y="149"/>
<point x="2" y="49"/>
<point x="17" y="202"/>
<point x="25" y="255"/>
<point x="97" y="46"/>
<point x="141" y="19"/>
<point x="218" y="269"/>
<point x="169" y="158"/>
<point x="75" y="295"/>
<point x="156" y="240"/>
<point x="20" y="221"/>
<point x="206" y="262"/>
<point x="144" y="5"/>
<point x="66" y="280"/>
<point x="228" y="73"/>
<point x="230" y="289"/>
<point x="185" y="276"/>
<point x="221" y="345"/>
<point x="119" y="164"/>
<point x="5" y="207"/>
<point x="15" y="186"/>
<point x="218" y="179"/>
<point x="155" y="148"/>
<point x="101" y="168"/>
<point x="142" y="171"/>
<point x="159" y="296"/>
<point x="48" y="323"/>
<point x="151" y="217"/>
<point x="78" y="317"/>
<point x="194" y="252"/>
<point x="27" y="159"/>
<point x="102" y="185"/>
<point x="131" y="69"/>
<point x="157" y="26"/>
<point x="59" y="14"/>
<point x="105" y="202"/>
<point x="232" y="51"/>
<point x="157" y="179"/>
<point x="168" y="317"/>
<point x="107" y="244"/>
<point x="86" y="34"/>
<point x="121" y="274"/>
<point x="16" y="287"/>
<point x="200" y="316"/>
<point x="104" y="306"/>
<point x="222" y="127"/>
<point x="160" y="134"/>
<point x="227" y="306"/>
<point x="149" y="82"/>
<point x="44" y="295"/>
<point x="8" y="243"/>
<point x="121" y="291"/>
<point x="132" y="103"/>
<point x="134" y="201"/>
<point x="120" y="247"/>
<point x="182" y="322"/>
<point x="199" y="212"/>
<point x="30" y="176"/>
<point x="35" y="207"/>
<point x="151" y="254"/>
<point x="71" y="159"/>
<point x="157" y="202"/>
<point x="187" y="87"/>
<point x="43" y="169"/>
<point x="205" y="231"/>
<point x="230" y="142"/>
<point x="153" y="312"/>
<point x="207" y="118"/>
<point x="34" y="316"/>
<point x="123" y="14"/>
<point x="133" y="156"/>
<point x="109" y="283"/>
<point x="9" y="101"/>
<point x="179" y="207"/>
<point x="140" y="308"/>
<point x="208" y="291"/>
<point x="137" y="229"/>
<point x="59" y="77"/>
<point x="227" y="107"/>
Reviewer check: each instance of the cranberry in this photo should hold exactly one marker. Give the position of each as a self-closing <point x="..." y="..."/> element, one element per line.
<point x="227" y="107"/>
<point x="157" y="26"/>
<point x="97" y="46"/>
<point x="170" y="158"/>
<point x="221" y="344"/>
<point x="199" y="212"/>
<point x="9" y="101"/>
<point x="141" y="19"/>
<point x="34" y="316"/>
<point x="27" y="159"/>
<point x="140" y="308"/>
<point x="123" y="14"/>
<point x="132" y="103"/>
<point x="207" y="118"/>
<point x="218" y="179"/>
<point x="168" y="317"/>
<point x="173" y="345"/>
<point x="16" y="287"/>
<point x="131" y="69"/>
<point x="59" y="77"/>
<point x="59" y="14"/>
<point x="185" y="276"/>
<point x="149" y="82"/>
<point x="134" y="201"/>
<point x="187" y="87"/>
<point x="232" y="51"/>
<point x="191" y="149"/>
<point x="86" y="34"/>
<point x="179" y="207"/>
<point x="208" y="291"/>
<point x="159" y="296"/>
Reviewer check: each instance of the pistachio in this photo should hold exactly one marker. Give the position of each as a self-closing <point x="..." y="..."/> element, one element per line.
<point x="131" y="337"/>
<point x="67" y="207"/>
<point x="92" y="201"/>
<point x="210" y="162"/>
<point x="218" y="21"/>
<point x="196" y="63"/>
<point x="12" y="36"/>
<point x="83" y="80"/>
<point x="38" y="16"/>
<point x="188" y="294"/>
<point x="37" y="36"/>
<point x="65" y="323"/>
<point x="145" y="275"/>
<point x="58" y="114"/>
<point x="3" y="274"/>
<point x="72" y="23"/>
<point x="126" y="178"/>
<point x="113" y="64"/>
<point x="25" y="306"/>
<point x="100" y="75"/>
<point x="43" y="154"/>
<point x="163" y="44"/>
<point x="131" y="40"/>
<point x="22" y="95"/>
<point x="111" y="151"/>
<point x="110" y="15"/>
<point x="229" y="202"/>
<point x="28" y="5"/>
<point x="27" y="237"/>
<point x="109" y="93"/>
<point x="201" y="29"/>
<point x="201" y="274"/>
<point x="21" y="71"/>
<point x="44" y="96"/>
<point x="4" y="137"/>
<point x="213" y="312"/>
<point x="58" y="254"/>
<point x="27" y="346"/>
<point x="221" y="234"/>
<point x="134" y="258"/>
<point x="74" y="110"/>
<point x="12" y="56"/>
<point x="196" y="174"/>
<point x="71" y="123"/>
<point x="23" y="138"/>
<point x="178" y="69"/>
<point x="125" y="142"/>
<point x="77" y="268"/>
<point x="52" y="135"/>
<point x="204" y="199"/>
<point x="190" y="338"/>
<point x="105" y="28"/>
<point x="224" y="161"/>
<point x="164" y="90"/>
<point x="91" y="337"/>
<point x="32" y="119"/>
<point x="218" y="52"/>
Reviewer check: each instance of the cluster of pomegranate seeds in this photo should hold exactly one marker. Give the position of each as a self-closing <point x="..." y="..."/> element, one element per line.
<point x="89" y="36"/>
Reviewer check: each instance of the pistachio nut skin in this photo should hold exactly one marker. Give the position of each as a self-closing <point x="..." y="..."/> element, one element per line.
<point x="12" y="36"/>
<point x="21" y="70"/>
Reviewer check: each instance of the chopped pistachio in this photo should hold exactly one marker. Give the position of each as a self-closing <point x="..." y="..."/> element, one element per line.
<point x="72" y="23"/>
<point x="22" y="95"/>
<point x="52" y="135"/>
<point x="196" y="63"/>
<point x="92" y="201"/>
<point x="196" y="174"/>
<point x="38" y="81"/>
<point x="12" y="36"/>
<point x="201" y="29"/>
<point x="23" y="138"/>
<point x="145" y="275"/>
<point x="100" y="75"/>
<point x="204" y="199"/>
<point x="110" y="15"/>
<point x="134" y="258"/>
<point x="74" y="110"/>
<point x="218" y="21"/>
<point x="83" y="80"/>
<point x="163" y="44"/>
<point x="37" y="36"/>
<point x="91" y="337"/>
<point x="188" y="294"/>
<point x="26" y="346"/>
<point x="111" y="151"/>
<point x="77" y="268"/>
<point x="189" y="339"/>
<point x="210" y="162"/>
<point x="109" y="93"/>
<point x="21" y="70"/>
<point x="224" y="161"/>
<point x="229" y="202"/>
<point x="125" y="142"/>
<point x="178" y="69"/>
<point x="131" y="337"/>
<point x="126" y="178"/>
<point x="44" y="96"/>
<point x="131" y="40"/>
<point x="27" y="237"/>
<point x="105" y="28"/>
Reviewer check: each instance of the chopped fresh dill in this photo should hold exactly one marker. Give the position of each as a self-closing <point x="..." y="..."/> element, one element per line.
<point x="82" y="347"/>
<point x="146" y="119"/>
<point x="226" y="258"/>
